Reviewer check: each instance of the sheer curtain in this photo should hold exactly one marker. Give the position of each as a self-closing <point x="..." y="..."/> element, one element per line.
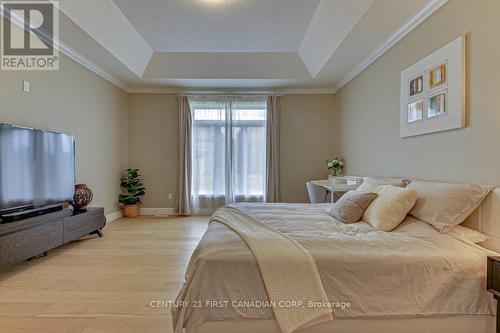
<point x="228" y="150"/>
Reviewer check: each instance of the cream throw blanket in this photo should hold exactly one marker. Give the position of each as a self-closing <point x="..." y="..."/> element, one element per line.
<point x="289" y="272"/>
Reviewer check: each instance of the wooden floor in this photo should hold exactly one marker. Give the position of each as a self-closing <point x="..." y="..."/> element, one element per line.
<point x="102" y="284"/>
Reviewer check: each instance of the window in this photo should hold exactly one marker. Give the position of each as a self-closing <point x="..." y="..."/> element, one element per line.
<point x="228" y="150"/>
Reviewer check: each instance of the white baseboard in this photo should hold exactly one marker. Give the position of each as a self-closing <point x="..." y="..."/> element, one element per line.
<point x="144" y="212"/>
<point x="113" y="216"/>
<point x="204" y="211"/>
<point x="157" y="211"/>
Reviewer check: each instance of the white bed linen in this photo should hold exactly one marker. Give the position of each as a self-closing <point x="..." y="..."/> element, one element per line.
<point x="413" y="271"/>
<point x="454" y="324"/>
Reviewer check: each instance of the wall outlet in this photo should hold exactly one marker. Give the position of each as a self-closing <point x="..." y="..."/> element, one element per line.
<point x="170" y="196"/>
<point x="26" y="86"/>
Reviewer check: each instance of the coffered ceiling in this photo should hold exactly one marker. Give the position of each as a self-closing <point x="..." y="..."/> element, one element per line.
<point x="280" y="45"/>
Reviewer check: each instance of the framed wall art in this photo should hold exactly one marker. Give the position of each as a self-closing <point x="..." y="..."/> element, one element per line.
<point x="433" y="91"/>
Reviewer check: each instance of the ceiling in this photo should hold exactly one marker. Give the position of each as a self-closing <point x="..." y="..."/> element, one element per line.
<point x="285" y="46"/>
<point x="220" y="26"/>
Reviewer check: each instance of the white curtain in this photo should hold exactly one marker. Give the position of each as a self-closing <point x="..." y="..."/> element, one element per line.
<point x="228" y="150"/>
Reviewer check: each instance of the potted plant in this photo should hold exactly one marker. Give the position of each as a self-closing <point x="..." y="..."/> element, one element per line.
<point x="133" y="187"/>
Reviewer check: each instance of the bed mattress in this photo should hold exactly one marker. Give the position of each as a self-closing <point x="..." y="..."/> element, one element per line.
<point x="455" y="324"/>
<point x="411" y="272"/>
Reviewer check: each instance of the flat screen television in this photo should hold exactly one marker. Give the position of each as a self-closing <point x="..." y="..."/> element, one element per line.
<point x="37" y="168"/>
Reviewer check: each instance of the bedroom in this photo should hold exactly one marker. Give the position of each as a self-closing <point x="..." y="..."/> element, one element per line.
<point x="328" y="74"/>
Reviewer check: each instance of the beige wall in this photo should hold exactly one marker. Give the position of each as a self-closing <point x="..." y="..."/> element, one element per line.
<point x="73" y="100"/>
<point x="367" y="109"/>
<point x="360" y="122"/>
<point x="306" y="142"/>
<point x="153" y="145"/>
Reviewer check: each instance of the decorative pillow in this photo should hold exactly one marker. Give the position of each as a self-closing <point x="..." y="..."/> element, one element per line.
<point x="398" y="182"/>
<point x="445" y="205"/>
<point x="390" y="208"/>
<point x="368" y="187"/>
<point x="468" y="235"/>
<point x="351" y="206"/>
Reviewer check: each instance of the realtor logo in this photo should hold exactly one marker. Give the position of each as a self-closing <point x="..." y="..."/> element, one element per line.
<point x="29" y="29"/>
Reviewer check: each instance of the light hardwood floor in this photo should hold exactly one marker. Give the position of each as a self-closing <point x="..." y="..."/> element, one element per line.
<point x="103" y="284"/>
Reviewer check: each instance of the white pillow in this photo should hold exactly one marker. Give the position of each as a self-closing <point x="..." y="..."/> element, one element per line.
<point x="445" y="205"/>
<point x="468" y="235"/>
<point x="390" y="208"/>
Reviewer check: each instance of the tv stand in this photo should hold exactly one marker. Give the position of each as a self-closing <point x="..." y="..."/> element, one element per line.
<point x="28" y="238"/>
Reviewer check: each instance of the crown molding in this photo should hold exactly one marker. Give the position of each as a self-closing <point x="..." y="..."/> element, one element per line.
<point x="87" y="63"/>
<point x="104" y="22"/>
<point x="388" y="43"/>
<point x="307" y="91"/>
<point x="290" y="91"/>
<point x="392" y="40"/>
<point x="70" y="53"/>
<point x="153" y="90"/>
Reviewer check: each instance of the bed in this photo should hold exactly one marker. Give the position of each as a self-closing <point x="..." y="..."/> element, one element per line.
<point x="412" y="279"/>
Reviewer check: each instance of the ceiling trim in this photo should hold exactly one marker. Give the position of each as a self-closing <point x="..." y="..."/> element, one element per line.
<point x="329" y="27"/>
<point x="225" y="66"/>
<point x="103" y="21"/>
<point x="87" y="63"/>
<point x="70" y="53"/>
<point x="286" y="91"/>
<point x="388" y="43"/>
<point x="392" y="40"/>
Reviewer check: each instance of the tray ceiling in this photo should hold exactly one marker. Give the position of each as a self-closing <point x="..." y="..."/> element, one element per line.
<point x="220" y="26"/>
<point x="282" y="45"/>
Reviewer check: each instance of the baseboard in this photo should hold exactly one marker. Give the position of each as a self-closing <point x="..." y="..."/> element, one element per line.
<point x="157" y="211"/>
<point x="143" y="211"/>
<point x="204" y="211"/>
<point x="113" y="216"/>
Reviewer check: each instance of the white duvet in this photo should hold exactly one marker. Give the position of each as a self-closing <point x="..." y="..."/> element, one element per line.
<point x="410" y="272"/>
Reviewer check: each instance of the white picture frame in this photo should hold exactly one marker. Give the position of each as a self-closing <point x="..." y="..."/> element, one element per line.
<point x="444" y="101"/>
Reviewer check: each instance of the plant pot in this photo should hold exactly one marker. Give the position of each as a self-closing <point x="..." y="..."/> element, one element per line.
<point x="131" y="210"/>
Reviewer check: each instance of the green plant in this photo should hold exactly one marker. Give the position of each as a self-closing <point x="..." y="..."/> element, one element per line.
<point x="133" y="187"/>
<point x="336" y="165"/>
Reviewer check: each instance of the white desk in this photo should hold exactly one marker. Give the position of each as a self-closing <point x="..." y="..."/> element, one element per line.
<point x="337" y="186"/>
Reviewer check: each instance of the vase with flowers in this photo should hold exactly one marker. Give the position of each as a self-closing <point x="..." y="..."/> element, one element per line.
<point x="336" y="166"/>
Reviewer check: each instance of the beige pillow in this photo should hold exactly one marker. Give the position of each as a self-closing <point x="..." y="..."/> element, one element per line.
<point x="369" y="187"/>
<point x="468" y="235"/>
<point x="351" y="206"/>
<point x="390" y="208"/>
<point x="387" y="181"/>
<point x="445" y="205"/>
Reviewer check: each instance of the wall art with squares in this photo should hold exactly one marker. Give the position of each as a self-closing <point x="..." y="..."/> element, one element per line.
<point x="433" y="91"/>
